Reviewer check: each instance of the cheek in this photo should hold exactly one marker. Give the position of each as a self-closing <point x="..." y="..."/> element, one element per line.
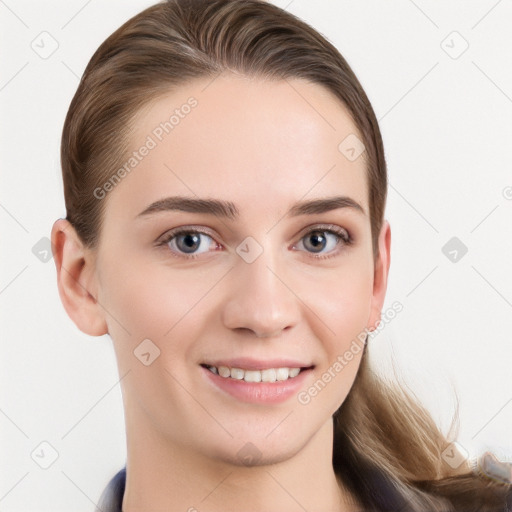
<point x="150" y="300"/>
<point x="342" y="297"/>
<point x="342" y="301"/>
<point x="342" y="304"/>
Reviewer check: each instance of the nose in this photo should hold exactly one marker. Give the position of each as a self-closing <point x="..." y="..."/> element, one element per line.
<point x="260" y="299"/>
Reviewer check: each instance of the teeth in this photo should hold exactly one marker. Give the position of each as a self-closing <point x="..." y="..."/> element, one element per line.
<point x="269" y="375"/>
<point x="223" y="371"/>
<point x="252" y="376"/>
<point x="282" y="373"/>
<point x="294" y="372"/>
<point x="237" y="373"/>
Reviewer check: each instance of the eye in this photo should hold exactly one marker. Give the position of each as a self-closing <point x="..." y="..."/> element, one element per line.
<point x="321" y="242"/>
<point x="325" y="240"/>
<point x="188" y="242"/>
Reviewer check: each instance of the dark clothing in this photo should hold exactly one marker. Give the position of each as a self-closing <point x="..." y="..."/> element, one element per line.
<point x="112" y="497"/>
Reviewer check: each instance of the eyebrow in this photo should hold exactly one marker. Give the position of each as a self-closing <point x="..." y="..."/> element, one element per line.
<point x="228" y="210"/>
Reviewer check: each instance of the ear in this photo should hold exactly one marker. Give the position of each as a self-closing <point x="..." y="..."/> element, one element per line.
<point x="380" y="278"/>
<point x="76" y="279"/>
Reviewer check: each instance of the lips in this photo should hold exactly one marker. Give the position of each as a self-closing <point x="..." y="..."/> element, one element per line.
<point x="258" y="381"/>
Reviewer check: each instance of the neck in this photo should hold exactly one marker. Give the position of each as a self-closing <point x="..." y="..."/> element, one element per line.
<point x="162" y="475"/>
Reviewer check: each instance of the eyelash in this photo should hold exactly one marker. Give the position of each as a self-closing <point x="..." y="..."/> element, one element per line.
<point x="343" y="236"/>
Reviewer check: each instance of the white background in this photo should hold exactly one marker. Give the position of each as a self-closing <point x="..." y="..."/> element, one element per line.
<point x="447" y="131"/>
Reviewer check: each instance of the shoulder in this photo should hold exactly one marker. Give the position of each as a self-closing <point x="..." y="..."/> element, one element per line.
<point x="111" y="499"/>
<point x="499" y="472"/>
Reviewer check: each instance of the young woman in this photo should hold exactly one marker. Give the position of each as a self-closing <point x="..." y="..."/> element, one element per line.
<point x="225" y="187"/>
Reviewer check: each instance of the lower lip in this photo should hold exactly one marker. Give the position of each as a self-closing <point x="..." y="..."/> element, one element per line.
<point x="259" y="392"/>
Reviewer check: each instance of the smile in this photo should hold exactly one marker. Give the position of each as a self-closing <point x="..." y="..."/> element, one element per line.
<point x="267" y="375"/>
<point x="273" y="383"/>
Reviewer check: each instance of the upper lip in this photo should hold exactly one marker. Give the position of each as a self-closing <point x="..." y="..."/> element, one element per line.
<point x="248" y="363"/>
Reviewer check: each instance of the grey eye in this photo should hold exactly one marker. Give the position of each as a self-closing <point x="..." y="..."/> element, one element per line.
<point x="190" y="242"/>
<point x="317" y="240"/>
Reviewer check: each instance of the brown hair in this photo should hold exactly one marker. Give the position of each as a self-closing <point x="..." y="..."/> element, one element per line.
<point x="383" y="437"/>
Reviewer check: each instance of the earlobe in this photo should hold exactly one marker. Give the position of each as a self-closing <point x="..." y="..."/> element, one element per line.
<point x="76" y="279"/>
<point x="380" y="279"/>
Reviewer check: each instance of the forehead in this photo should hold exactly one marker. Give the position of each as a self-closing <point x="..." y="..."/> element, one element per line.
<point x="243" y="139"/>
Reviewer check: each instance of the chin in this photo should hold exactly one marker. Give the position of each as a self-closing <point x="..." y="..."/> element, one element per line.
<point x="251" y="450"/>
<point x="249" y="455"/>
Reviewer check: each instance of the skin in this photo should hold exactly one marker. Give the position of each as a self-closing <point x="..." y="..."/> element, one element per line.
<point x="263" y="145"/>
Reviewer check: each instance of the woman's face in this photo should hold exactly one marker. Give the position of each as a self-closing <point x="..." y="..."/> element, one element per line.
<point x="261" y="282"/>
